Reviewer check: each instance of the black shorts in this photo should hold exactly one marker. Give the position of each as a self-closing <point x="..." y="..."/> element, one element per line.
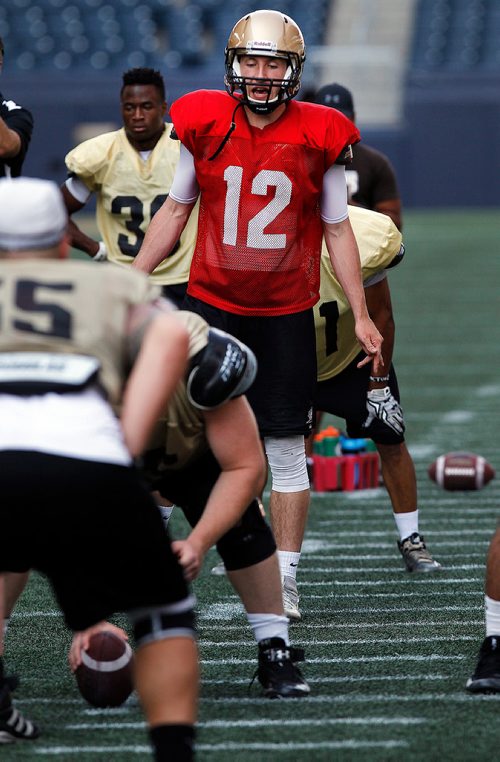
<point x="249" y="542"/>
<point x="175" y="292"/>
<point x="282" y="393"/>
<point x="92" y="529"/>
<point x="344" y="395"/>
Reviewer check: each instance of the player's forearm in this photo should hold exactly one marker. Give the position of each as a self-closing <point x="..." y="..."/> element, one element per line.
<point x="344" y="256"/>
<point x="158" y="369"/>
<point x="162" y="234"/>
<point x="387" y="349"/>
<point x="378" y="300"/>
<point x="383" y="365"/>
<point x="10" y="142"/>
<point x="77" y="238"/>
<point x="386" y="329"/>
<point x="81" y="241"/>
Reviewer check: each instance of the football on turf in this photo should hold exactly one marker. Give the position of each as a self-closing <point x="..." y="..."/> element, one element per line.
<point x="461" y="471"/>
<point x="104" y="677"/>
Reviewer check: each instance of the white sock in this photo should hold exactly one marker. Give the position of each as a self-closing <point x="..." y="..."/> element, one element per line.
<point x="269" y="626"/>
<point x="407" y="523"/>
<point x="5" y="625"/>
<point x="288" y="561"/>
<point x="166" y="512"/>
<point x="492" y="616"/>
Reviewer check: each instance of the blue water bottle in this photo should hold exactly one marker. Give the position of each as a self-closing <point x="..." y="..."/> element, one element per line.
<point x="353" y="446"/>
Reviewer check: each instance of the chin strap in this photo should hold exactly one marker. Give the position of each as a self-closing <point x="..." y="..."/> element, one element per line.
<point x="228" y="133"/>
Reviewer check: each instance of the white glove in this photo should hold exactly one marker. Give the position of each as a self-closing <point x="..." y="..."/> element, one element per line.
<point x="382" y="405"/>
<point x="102" y="253"/>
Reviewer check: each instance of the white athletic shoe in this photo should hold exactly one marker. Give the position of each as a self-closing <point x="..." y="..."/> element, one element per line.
<point x="291" y="599"/>
<point x="218" y="570"/>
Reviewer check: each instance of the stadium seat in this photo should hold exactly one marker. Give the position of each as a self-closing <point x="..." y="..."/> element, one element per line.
<point x="108" y="34"/>
<point x="456" y="35"/>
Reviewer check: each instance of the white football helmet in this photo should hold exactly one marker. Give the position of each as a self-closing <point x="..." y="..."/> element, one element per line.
<point x="265" y="33"/>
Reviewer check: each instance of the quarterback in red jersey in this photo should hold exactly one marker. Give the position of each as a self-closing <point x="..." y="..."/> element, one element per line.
<point x="270" y="177"/>
<point x="265" y="186"/>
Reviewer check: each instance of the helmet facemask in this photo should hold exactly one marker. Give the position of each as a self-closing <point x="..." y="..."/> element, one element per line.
<point x="238" y="86"/>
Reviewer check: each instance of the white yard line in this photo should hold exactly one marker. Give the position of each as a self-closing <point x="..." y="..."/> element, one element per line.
<point x="457" y="535"/>
<point x="372" y="557"/>
<point x="73" y="751"/>
<point x="337" y="642"/>
<point x="318" y="545"/>
<point x="429" y="580"/>
<point x="228" y="724"/>
<point x="29" y="614"/>
<point x="371" y="625"/>
<point x="406" y="594"/>
<point x="304" y="569"/>
<point x="343" y="679"/>
<point x="371" y="698"/>
<point x="290" y="746"/>
<point x="349" y="659"/>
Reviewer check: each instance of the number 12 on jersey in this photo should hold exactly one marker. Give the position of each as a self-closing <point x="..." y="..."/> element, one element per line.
<point x="256" y="237"/>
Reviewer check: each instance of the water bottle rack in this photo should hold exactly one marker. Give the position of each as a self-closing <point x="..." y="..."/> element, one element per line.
<point x="345" y="472"/>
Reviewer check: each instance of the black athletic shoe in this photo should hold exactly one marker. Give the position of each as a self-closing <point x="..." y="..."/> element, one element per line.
<point x="486" y="678"/>
<point x="13" y="726"/>
<point x="277" y="673"/>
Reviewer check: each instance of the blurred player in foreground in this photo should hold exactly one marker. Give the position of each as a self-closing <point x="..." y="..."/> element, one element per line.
<point x="60" y="372"/>
<point x="206" y="455"/>
<point x="486" y="677"/>
<point x="130" y="172"/>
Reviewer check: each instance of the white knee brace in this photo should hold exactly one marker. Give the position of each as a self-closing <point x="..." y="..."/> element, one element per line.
<point x="287" y="460"/>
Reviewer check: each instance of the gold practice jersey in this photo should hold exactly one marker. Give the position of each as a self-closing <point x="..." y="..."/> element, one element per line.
<point x="129" y="191"/>
<point x="181" y="435"/>
<point x="64" y="321"/>
<point x="379" y="242"/>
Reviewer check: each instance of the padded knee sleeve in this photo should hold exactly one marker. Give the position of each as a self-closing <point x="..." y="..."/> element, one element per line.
<point x="247" y="543"/>
<point x="287" y="460"/>
<point x="173" y="620"/>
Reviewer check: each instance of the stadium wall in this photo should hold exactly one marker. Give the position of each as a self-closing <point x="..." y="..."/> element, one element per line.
<point x="446" y="152"/>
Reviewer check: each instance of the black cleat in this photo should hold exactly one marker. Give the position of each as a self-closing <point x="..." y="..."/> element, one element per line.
<point x="277" y="673"/>
<point x="13" y="726"/>
<point x="486" y="678"/>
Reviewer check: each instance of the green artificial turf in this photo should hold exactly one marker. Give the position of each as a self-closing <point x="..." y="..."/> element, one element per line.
<point x="388" y="653"/>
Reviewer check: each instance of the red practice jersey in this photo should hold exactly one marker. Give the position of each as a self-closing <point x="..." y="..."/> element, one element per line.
<point x="259" y="231"/>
